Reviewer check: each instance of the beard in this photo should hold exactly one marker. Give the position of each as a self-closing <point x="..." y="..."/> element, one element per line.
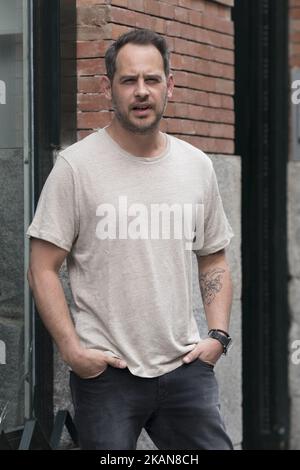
<point x="140" y="127"/>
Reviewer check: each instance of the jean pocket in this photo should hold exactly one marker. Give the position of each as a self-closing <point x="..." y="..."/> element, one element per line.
<point x="96" y="377"/>
<point x="207" y="364"/>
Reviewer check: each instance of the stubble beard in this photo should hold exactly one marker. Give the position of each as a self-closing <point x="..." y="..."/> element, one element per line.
<point x="141" y="129"/>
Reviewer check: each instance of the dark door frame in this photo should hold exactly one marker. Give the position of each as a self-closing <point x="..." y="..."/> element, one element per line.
<point x="261" y="31"/>
<point x="46" y="47"/>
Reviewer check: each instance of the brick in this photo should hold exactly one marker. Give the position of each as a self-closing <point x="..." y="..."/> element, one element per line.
<point x="152" y="7"/>
<point x="203" y="51"/>
<point x="182" y="46"/>
<point x="167" y="11"/>
<point x="197" y="82"/>
<point x="194" y="64"/>
<point x="185" y="126"/>
<point x="222" y="55"/>
<point x="145" y="21"/>
<point x="200" y="35"/>
<point x="89" y="85"/>
<point x="87" y="49"/>
<point x="294" y="25"/>
<point x="122" y="16"/>
<point x="91" y="33"/>
<point x="201" y="128"/>
<point x="210" y="145"/>
<point x="196" y="112"/>
<point x="195" y="18"/>
<point x="191" y="4"/>
<point x="181" y="78"/>
<point x="171" y="2"/>
<point x="93" y="102"/>
<point x="225" y="87"/>
<point x="207" y="37"/>
<point x="159" y="25"/>
<point x="90" y="67"/>
<point x="82" y="134"/>
<point x="225" y="116"/>
<point x="171" y="43"/>
<point x="181" y="14"/>
<point x="92" y="15"/>
<point x="177" y="62"/>
<point x="136" y="5"/>
<point x="295" y="13"/>
<point x="121" y="3"/>
<point x="227" y="102"/>
<point x="221" y="70"/>
<point x="217" y="24"/>
<point x="221" y="130"/>
<point x="224" y="12"/>
<point x="117" y="30"/>
<point x="93" y="120"/>
<point x="295" y="37"/>
<point x="295" y="48"/>
<point x="211" y="9"/>
<point x="214" y="100"/>
<point x="174" y="28"/>
<point x="184" y="95"/>
<point x="230" y="3"/>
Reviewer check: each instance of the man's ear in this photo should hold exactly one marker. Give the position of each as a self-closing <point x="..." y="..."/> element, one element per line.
<point x="170" y="85"/>
<point x="106" y="87"/>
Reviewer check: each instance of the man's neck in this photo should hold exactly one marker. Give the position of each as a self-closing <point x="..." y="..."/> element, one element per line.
<point x="147" y="145"/>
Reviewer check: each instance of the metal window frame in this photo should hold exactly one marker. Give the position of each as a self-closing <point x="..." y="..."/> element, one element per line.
<point x="42" y="125"/>
<point x="262" y="96"/>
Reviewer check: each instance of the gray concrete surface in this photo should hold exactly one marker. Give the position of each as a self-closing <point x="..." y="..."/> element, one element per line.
<point x="294" y="297"/>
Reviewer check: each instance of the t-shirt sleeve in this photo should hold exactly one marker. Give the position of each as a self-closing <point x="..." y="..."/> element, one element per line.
<point x="217" y="230"/>
<point x="56" y="218"/>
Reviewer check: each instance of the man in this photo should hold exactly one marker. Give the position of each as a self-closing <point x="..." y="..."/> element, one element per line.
<point x="126" y="207"/>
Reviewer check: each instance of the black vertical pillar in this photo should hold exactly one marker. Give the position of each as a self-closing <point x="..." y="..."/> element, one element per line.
<point x="46" y="123"/>
<point x="262" y="141"/>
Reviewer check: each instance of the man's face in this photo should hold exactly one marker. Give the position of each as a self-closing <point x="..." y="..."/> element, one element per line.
<point x="140" y="88"/>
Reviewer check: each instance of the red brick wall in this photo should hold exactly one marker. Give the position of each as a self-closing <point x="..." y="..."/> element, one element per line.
<point x="201" y="38"/>
<point x="294" y="33"/>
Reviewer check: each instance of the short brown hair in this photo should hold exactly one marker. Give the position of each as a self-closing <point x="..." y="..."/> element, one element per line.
<point x="137" y="36"/>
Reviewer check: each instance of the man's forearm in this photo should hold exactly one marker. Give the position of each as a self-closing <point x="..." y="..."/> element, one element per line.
<point x="216" y="289"/>
<point x="54" y="311"/>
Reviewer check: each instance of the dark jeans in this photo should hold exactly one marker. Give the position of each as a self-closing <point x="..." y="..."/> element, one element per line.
<point x="179" y="410"/>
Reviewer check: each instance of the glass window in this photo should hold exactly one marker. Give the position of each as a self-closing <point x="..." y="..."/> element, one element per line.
<point x="11" y="215"/>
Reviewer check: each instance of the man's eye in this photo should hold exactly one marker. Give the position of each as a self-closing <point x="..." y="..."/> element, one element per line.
<point x="151" y="80"/>
<point x="129" y="80"/>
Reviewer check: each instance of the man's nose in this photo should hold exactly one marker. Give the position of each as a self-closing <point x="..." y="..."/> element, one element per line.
<point x="141" y="88"/>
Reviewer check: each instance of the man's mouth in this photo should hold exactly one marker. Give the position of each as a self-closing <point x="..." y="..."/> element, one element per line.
<point x="141" y="107"/>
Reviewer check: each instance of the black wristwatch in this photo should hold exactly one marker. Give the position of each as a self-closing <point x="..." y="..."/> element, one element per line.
<point x="222" y="337"/>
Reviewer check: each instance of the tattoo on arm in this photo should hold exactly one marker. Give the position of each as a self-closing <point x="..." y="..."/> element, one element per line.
<point x="211" y="284"/>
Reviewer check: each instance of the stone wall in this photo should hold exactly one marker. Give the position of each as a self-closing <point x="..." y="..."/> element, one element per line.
<point x="294" y="296"/>
<point x="294" y="239"/>
<point x="11" y="287"/>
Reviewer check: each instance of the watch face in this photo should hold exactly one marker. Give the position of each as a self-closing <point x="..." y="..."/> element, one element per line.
<point x="224" y="340"/>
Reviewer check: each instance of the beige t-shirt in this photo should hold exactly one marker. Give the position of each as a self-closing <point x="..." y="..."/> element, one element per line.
<point x="130" y="225"/>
